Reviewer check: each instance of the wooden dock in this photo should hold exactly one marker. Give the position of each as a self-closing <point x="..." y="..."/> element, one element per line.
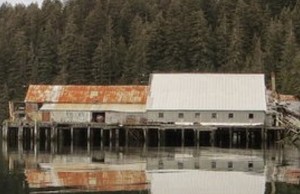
<point x="100" y="134"/>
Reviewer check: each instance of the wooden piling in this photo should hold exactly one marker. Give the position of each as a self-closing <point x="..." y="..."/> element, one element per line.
<point x="110" y="137"/>
<point x="126" y="137"/>
<point x="20" y="132"/>
<point x="182" y="137"/>
<point x="117" y="132"/>
<point x="230" y="137"/>
<point x="247" y="137"/>
<point x="88" y="133"/>
<point x="145" y="136"/>
<point x="5" y="130"/>
<point x="101" y="138"/>
<point x="212" y="138"/>
<point x="36" y="131"/>
<point x="263" y="134"/>
<point x="72" y="133"/>
<point x="196" y="137"/>
<point x="158" y="137"/>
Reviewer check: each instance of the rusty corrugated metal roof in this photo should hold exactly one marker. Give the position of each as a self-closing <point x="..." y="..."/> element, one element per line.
<point x="87" y="94"/>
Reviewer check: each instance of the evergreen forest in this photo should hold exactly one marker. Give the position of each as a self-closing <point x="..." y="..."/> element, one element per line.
<point x="110" y="42"/>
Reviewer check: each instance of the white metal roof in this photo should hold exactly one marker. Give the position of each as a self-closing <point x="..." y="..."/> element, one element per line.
<point x="95" y="107"/>
<point x="191" y="91"/>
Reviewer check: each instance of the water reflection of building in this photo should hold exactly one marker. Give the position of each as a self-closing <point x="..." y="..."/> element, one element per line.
<point x="82" y="172"/>
<point x="91" y="178"/>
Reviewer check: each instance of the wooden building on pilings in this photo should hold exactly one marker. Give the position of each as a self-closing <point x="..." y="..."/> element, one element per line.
<point x="175" y="109"/>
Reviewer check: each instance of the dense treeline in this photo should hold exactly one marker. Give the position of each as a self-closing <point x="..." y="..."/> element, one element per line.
<point x="121" y="42"/>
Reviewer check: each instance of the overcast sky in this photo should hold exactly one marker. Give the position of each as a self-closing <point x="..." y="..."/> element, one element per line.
<point x="26" y="2"/>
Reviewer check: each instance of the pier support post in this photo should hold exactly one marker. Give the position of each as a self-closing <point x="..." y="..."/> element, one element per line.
<point x="53" y="133"/>
<point x="5" y="130"/>
<point x="72" y="133"/>
<point x="247" y="137"/>
<point x="145" y="136"/>
<point x="20" y="132"/>
<point x="278" y="135"/>
<point x="182" y="137"/>
<point x="158" y="137"/>
<point x="212" y="138"/>
<point x="230" y="138"/>
<point x="126" y="137"/>
<point x="263" y="134"/>
<point x="110" y="138"/>
<point x="88" y="139"/>
<point x="197" y="137"/>
<point x="31" y="133"/>
<point x="36" y="131"/>
<point x="88" y="133"/>
<point x="101" y="138"/>
<point x="117" y="137"/>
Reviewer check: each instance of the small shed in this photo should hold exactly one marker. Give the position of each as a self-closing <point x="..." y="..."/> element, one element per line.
<point x="207" y="99"/>
<point x="74" y="103"/>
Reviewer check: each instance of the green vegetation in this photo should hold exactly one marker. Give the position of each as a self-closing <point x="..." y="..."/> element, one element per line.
<point x="121" y="42"/>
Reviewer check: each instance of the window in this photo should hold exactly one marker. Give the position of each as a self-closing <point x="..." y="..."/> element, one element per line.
<point x="251" y="116"/>
<point x="230" y="115"/>
<point x="180" y="115"/>
<point x="214" y="115"/>
<point x="197" y="115"/>
<point x="250" y="164"/>
<point x="213" y="164"/>
<point x="160" y="115"/>
<point x="230" y="165"/>
<point x="180" y="165"/>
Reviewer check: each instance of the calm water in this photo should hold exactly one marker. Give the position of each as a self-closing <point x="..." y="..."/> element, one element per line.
<point x="46" y="168"/>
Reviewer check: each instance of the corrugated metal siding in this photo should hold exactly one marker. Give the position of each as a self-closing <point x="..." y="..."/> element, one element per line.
<point x="87" y="94"/>
<point x="207" y="92"/>
<point x="95" y="107"/>
<point x="240" y="117"/>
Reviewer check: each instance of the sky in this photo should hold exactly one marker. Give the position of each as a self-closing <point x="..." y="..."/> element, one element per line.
<point x="25" y="2"/>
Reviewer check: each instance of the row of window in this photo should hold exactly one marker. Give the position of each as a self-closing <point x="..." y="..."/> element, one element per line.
<point x="213" y="115"/>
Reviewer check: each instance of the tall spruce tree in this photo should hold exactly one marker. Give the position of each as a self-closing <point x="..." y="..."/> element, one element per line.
<point x="199" y="44"/>
<point x="104" y="59"/>
<point x="47" y="58"/>
<point x="136" y="69"/>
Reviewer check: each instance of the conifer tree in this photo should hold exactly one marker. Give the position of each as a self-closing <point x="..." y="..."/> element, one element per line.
<point x="136" y="69"/>
<point x="104" y="59"/>
<point x="199" y="45"/>
<point x="47" y="58"/>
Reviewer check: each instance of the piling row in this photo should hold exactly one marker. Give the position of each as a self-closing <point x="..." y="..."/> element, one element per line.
<point x="158" y="135"/>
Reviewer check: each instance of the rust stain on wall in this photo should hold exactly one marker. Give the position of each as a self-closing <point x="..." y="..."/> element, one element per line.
<point x="87" y="94"/>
